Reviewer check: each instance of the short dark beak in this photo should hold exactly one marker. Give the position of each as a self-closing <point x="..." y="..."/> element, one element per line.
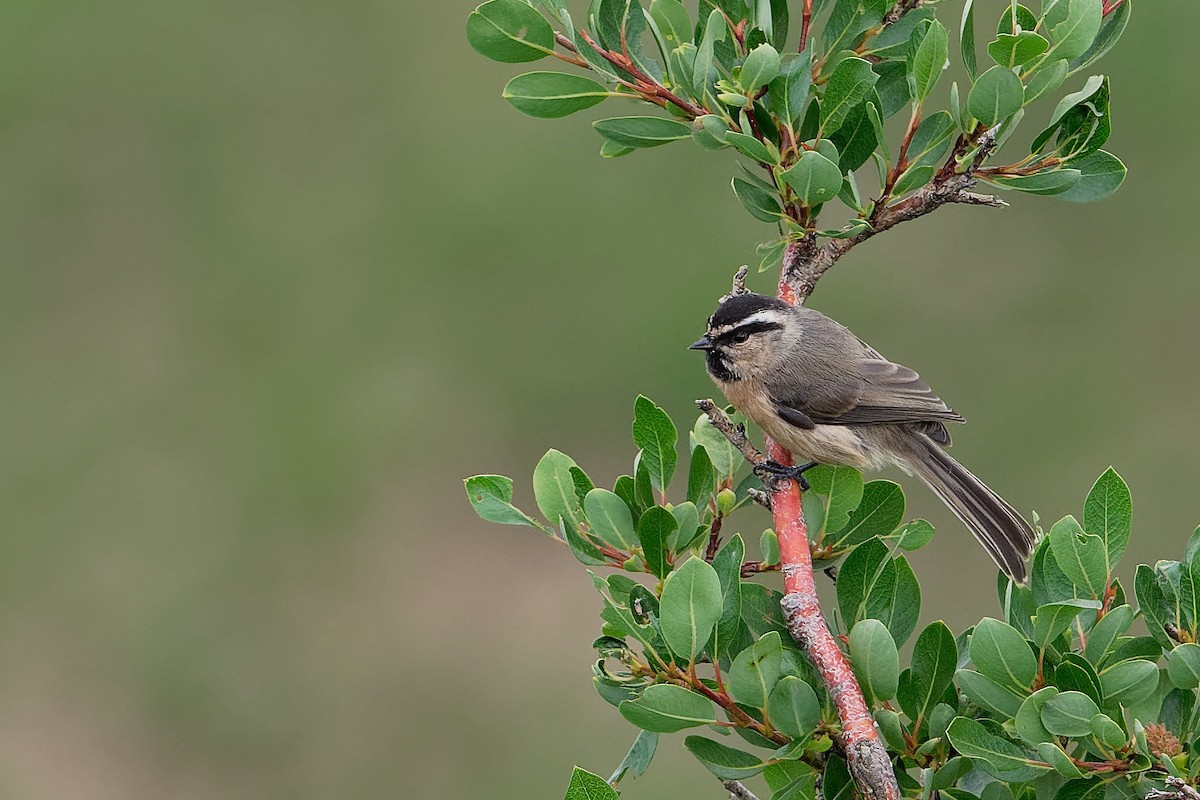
<point x="701" y="344"/>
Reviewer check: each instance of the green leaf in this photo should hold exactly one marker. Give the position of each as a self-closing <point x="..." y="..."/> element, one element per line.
<point x="1108" y="513"/>
<point x="751" y="147"/>
<point x="1028" y="719"/>
<point x="788" y="92"/>
<point x="1046" y="80"/>
<point x="814" y="178"/>
<point x="856" y="140"/>
<point x="760" y="68"/>
<point x="655" y="435"/>
<point x="666" y="708"/>
<point x="1081" y="556"/>
<point x="927" y="52"/>
<point x="725" y="762"/>
<point x="509" y="31"/>
<point x="1110" y="31"/>
<point x="988" y="694"/>
<point x="1101" y="174"/>
<point x="690" y="607"/>
<point x="1001" y="653"/>
<point x="1054" y="618"/>
<point x="1053" y="754"/>
<point x="491" y="497"/>
<point x="1014" y="51"/>
<point x="724" y="456"/>
<point x="1129" y="681"/>
<point x="1075" y="674"/>
<point x="843" y="486"/>
<point x="892" y="41"/>
<point x="584" y="550"/>
<point x="914" y="535"/>
<point x="761" y="204"/>
<point x="881" y="510"/>
<point x="791" y="780"/>
<point x="848" y="20"/>
<point x="966" y="39"/>
<point x="997" y="95"/>
<point x="1108" y="731"/>
<point x="610" y="519"/>
<point x="653" y="530"/>
<point x="848" y="85"/>
<point x="893" y="91"/>
<point x="932" y="139"/>
<point x="914" y="177"/>
<point x="866" y="582"/>
<point x="549" y="95"/>
<point x="554" y="488"/>
<point x="642" y="131"/>
<point x="901" y="607"/>
<point x="1153" y="604"/>
<point x="702" y="477"/>
<point x="756" y="669"/>
<point x="702" y="73"/>
<point x="1069" y="714"/>
<point x="1183" y="666"/>
<point x="875" y="660"/>
<point x="934" y="659"/>
<point x="620" y="26"/>
<point x="1055" y="181"/>
<point x="613" y="150"/>
<point x="673" y="21"/>
<point x="1081" y="121"/>
<point x="1105" y="632"/>
<point x="793" y="707"/>
<point x="637" y="760"/>
<point x="1016" y="18"/>
<point x="1074" y="35"/>
<point x="728" y="565"/>
<point x="996" y="756"/>
<point x="836" y="783"/>
<point x="586" y="786"/>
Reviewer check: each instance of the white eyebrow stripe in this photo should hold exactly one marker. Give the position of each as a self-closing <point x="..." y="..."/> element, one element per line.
<point x="766" y="315"/>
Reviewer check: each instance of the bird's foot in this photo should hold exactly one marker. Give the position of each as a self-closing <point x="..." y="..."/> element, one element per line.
<point x="771" y="471"/>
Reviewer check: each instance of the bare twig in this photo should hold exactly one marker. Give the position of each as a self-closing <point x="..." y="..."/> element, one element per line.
<point x="738" y="791"/>
<point x="736" y="434"/>
<point x="739" y="283"/>
<point x="901" y="8"/>
<point x="760" y="497"/>
<point x="804" y="261"/>
<point x="1177" y="789"/>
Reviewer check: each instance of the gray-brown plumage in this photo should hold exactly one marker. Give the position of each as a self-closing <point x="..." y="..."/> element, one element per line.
<point x="828" y="397"/>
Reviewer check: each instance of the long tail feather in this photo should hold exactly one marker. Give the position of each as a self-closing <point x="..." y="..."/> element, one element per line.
<point x="1006" y="536"/>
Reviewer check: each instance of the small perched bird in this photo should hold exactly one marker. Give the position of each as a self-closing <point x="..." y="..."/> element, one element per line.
<point x="828" y="397"/>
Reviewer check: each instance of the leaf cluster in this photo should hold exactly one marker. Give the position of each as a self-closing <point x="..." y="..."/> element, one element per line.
<point x="806" y="102"/>
<point x="1057" y="697"/>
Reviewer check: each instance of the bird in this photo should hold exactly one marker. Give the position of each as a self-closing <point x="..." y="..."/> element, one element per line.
<point x="824" y="394"/>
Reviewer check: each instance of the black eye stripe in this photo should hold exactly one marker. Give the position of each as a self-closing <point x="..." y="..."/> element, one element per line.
<point x="751" y="328"/>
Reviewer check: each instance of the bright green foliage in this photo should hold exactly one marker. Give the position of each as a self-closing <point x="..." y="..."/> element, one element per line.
<point x="806" y="104"/>
<point x="1050" y="698"/>
<point x="1040" y="701"/>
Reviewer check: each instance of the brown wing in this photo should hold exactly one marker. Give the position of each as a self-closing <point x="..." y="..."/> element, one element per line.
<point x="884" y="394"/>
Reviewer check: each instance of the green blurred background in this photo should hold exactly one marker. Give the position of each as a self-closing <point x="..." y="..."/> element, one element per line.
<point x="274" y="276"/>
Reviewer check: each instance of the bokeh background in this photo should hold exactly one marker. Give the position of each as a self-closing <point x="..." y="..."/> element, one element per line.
<point x="274" y="276"/>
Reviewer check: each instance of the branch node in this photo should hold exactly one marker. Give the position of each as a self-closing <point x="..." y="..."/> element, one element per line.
<point x="760" y="497"/>
<point x="738" y="791"/>
<point x="739" y="283"/>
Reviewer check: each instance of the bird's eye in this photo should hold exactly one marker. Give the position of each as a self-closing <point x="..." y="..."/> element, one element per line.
<point x="740" y="337"/>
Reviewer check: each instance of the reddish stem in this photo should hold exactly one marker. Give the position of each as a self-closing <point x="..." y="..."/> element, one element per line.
<point x="805" y="23"/>
<point x="865" y="754"/>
